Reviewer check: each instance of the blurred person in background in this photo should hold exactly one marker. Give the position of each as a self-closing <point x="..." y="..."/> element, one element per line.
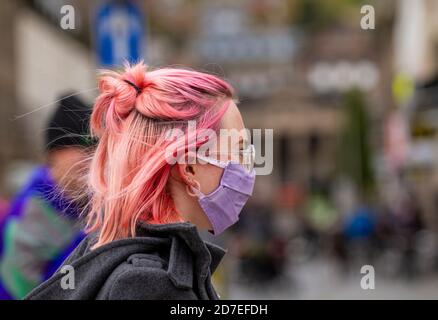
<point x="41" y="226"/>
<point x="252" y="240"/>
<point x="407" y="223"/>
<point x="262" y="235"/>
<point x="359" y="235"/>
<point x="146" y="208"/>
<point x="4" y="206"/>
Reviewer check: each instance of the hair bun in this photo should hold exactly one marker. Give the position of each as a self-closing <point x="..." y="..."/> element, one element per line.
<point x="134" y="86"/>
<point x="124" y="88"/>
<point x="118" y="95"/>
<point x="135" y="77"/>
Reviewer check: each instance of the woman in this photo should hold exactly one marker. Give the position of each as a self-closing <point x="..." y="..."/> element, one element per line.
<point x="152" y="188"/>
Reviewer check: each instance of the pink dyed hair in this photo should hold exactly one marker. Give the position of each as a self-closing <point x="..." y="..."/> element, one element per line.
<point x="129" y="171"/>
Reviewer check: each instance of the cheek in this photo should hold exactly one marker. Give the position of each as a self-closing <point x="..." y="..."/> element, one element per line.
<point x="209" y="177"/>
<point x="74" y="168"/>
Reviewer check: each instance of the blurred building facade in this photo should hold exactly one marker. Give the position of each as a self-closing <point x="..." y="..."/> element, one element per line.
<point x="290" y="71"/>
<point x="288" y="78"/>
<point x="415" y="60"/>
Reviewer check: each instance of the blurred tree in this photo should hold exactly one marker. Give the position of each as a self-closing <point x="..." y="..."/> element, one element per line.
<point x="355" y="154"/>
<point x="315" y="15"/>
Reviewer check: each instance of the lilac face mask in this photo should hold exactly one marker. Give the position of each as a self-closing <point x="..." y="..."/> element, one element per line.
<point x="224" y="204"/>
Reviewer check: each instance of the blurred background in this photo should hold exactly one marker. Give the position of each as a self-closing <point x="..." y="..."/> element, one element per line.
<point x="354" y="114"/>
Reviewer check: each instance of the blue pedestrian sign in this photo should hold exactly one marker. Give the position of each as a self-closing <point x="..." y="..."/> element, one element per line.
<point x="119" y="33"/>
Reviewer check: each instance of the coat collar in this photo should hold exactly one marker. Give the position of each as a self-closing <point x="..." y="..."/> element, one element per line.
<point x="207" y="255"/>
<point x="93" y="268"/>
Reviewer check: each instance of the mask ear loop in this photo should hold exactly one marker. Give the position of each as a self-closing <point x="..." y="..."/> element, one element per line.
<point x="214" y="162"/>
<point x="197" y="188"/>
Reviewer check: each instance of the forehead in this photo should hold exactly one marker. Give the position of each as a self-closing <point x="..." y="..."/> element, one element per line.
<point x="232" y="126"/>
<point x="232" y="119"/>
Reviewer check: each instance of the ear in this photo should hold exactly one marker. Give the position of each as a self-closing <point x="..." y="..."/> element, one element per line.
<point x="187" y="173"/>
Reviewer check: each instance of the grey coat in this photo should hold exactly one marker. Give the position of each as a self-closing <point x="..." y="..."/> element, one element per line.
<point x="168" y="261"/>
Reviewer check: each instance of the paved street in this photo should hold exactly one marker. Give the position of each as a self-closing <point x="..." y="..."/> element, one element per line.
<point x="319" y="279"/>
